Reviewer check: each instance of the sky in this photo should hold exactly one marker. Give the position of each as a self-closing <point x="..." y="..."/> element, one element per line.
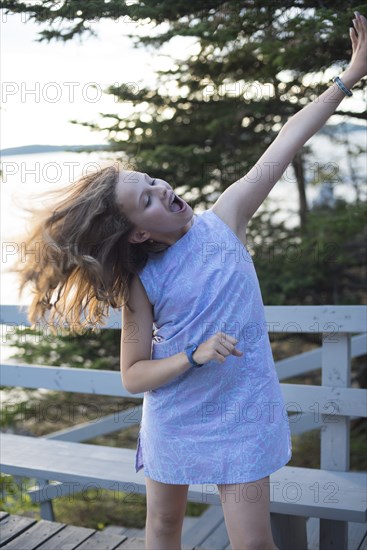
<point x="45" y="85"/>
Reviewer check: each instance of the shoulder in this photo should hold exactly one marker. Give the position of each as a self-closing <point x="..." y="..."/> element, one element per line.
<point x="138" y="294"/>
<point x="225" y="213"/>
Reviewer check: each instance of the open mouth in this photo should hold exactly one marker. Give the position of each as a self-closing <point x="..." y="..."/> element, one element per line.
<point x="177" y="205"/>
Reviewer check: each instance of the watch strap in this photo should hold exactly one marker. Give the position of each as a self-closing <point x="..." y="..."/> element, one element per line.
<point x="190" y="350"/>
<point x="342" y="86"/>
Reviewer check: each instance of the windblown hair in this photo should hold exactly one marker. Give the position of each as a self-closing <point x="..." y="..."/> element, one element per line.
<point x="83" y="257"/>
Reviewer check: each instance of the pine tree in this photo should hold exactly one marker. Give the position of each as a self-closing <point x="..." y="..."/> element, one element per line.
<point x="232" y="98"/>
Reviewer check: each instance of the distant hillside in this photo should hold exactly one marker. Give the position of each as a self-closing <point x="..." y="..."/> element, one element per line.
<point x="32" y="149"/>
<point x="342" y="127"/>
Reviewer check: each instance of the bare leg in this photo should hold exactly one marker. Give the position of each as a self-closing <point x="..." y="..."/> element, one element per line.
<point x="246" y="512"/>
<point x="166" y="506"/>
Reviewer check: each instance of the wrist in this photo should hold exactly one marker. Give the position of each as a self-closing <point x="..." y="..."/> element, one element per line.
<point x="185" y="365"/>
<point x="349" y="77"/>
<point x="190" y="351"/>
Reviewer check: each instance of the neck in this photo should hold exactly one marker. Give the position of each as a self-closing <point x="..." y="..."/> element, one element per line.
<point x="171" y="238"/>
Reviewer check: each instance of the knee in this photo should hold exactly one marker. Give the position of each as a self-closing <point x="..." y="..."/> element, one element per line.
<point x="165" y="522"/>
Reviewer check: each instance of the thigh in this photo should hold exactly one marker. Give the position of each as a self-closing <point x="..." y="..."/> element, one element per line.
<point x="246" y="509"/>
<point x="166" y="501"/>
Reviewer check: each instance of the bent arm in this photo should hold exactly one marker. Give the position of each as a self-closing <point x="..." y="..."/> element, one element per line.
<point x="140" y="373"/>
<point x="150" y="374"/>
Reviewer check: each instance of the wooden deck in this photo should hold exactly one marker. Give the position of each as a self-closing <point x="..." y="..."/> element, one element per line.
<point x="209" y="532"/>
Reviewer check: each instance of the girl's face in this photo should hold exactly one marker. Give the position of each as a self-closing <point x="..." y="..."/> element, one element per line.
<point x="147" y="203"/>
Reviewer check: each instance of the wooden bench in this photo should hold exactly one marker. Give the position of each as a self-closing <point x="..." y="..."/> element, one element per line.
<point x="294" y="491"/>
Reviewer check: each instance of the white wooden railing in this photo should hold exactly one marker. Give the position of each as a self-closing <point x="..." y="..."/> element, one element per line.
<point x="328" y="407"/>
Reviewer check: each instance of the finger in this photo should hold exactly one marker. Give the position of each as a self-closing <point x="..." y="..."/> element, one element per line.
<point x="227" y="337"/>
<point x="225" y="348"/>
<point x="228" y="350"/>
<point x="220" y="358"/>
<point x="353" y="36"/>
<point x="363" y="23"/>
<point x="356" y="25"/>
<point x="360" y="22"/>
<point x="359" y="27"/>
<point x="357" y="17"/>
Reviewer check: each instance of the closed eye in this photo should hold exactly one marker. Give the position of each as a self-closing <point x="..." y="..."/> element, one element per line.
<point x="149" y="199"/>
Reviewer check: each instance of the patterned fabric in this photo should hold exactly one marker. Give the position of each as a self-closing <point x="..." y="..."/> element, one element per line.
<point x="224" y="422"/>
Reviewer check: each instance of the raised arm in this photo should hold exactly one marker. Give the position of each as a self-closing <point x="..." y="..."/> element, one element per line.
<point x="244" y="196"/>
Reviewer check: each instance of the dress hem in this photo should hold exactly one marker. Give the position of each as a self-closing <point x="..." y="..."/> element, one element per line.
<point x="247" y="480"/>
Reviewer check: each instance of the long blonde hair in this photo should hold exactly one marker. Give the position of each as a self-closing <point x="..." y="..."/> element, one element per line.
<point x="84" y="257"/>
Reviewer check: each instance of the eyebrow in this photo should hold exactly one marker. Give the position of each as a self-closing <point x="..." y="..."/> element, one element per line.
<point x="141" y="194"/>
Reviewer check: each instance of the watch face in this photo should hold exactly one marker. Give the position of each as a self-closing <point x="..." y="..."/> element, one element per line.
<point x="190" y="349"/>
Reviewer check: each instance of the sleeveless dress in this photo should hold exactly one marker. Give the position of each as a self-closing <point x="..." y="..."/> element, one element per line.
<point x="223" y="422"/>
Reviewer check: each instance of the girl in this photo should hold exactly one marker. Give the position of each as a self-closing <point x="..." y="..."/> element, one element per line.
<point x="213" y="410"/>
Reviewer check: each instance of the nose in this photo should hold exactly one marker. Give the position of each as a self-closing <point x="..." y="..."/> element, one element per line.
<point x="162" y="191"/>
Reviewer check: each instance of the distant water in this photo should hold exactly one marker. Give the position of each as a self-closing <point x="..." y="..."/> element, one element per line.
<point x="27" y="174"/>
<point x="23" y="175"/>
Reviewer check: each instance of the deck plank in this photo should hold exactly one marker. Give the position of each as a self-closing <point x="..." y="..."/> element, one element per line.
<point x="204" y="526"/>
<point x="67" y="539"/>
<point x="189" y="522"/>
<point x="132" y="544"/>
<point x="35" y="535"/>
<point x="26" y="533"/>
<point x="126" y="531"/>
<point x="218" y="539"/>
<point x="102" y="541"/>
<point x="13" y="526"/>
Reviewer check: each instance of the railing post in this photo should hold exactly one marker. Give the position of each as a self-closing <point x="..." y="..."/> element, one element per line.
<point x="335" y="431"/>
<point x="46" y="507"/>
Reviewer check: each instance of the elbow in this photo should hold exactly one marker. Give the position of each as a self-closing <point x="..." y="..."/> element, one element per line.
<point x="127" y="386"/>
<point x="129" y="389"/>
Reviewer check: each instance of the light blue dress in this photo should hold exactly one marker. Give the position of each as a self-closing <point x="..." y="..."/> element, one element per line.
<point x="223" y="422"/>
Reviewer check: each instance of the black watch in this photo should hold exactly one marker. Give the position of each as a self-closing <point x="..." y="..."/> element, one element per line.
<point x="190" y="350"/>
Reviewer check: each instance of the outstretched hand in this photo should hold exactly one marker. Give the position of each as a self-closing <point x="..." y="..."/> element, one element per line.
<point x="358" y="35"/>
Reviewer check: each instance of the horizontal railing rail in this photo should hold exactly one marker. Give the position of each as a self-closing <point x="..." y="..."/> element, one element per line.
<point x="298" y="398"/>
<point x="286" y="319"/>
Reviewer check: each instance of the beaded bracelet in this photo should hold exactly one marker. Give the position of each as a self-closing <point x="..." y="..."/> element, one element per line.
<point x="342" y="86"/>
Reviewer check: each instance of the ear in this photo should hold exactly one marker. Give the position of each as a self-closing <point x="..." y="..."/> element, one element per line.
<point x="137" y="237"/>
